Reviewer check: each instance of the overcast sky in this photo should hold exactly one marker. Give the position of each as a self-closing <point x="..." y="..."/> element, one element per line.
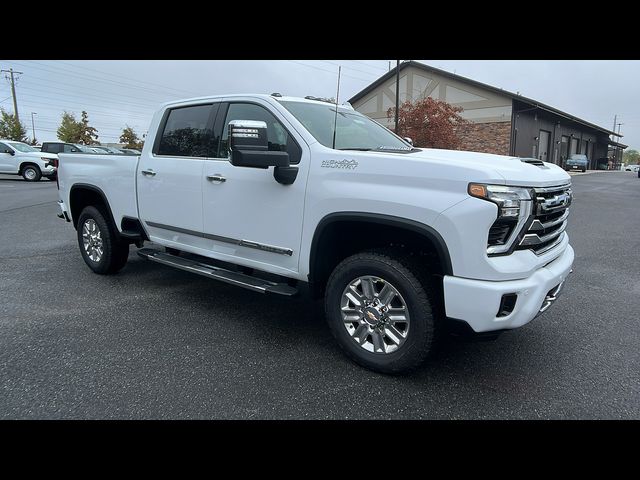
<point x="119" y="93"/>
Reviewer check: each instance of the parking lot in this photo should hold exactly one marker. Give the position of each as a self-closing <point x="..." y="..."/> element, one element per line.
<point x="154" y="342"/>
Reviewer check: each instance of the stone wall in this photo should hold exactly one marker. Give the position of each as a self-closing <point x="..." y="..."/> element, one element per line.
<point x="485" y="137"/>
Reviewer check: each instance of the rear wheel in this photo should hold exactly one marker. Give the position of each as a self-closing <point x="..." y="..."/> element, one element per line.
<point x="100" y="246"/>
<point x="31" y="173"/>
<point x="381" y="308"/>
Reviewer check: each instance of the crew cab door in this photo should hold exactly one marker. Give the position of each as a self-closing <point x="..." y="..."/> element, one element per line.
<point x="251" y="218"/>
<point x="169" y="177"/>
<point x="7" y="161"/>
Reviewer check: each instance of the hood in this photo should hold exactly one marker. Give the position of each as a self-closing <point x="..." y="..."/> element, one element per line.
<point x="37" y="154"/>
<point x="500" y="169"/>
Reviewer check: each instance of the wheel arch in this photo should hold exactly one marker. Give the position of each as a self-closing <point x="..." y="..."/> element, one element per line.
<point x="327" y="248"/>
<point x="25" y="163"/>
<point x="82" y="195"/>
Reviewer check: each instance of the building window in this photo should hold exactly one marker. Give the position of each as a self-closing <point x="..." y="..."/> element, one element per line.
<point x="574" y="146"/>
<point x="543" y="145"/>
<point x="564" y="149"/>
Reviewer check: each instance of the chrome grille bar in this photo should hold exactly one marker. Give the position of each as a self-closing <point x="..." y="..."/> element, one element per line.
<point x="547" y="230"/>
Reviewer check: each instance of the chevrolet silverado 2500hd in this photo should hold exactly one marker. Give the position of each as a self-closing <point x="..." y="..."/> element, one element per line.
<point x="261" y="191"/>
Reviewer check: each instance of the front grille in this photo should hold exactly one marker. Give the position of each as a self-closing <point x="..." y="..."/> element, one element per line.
<point x="551" y="209"/>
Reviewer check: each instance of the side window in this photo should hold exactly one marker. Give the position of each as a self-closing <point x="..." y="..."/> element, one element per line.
<point x="67" y="148"/>
<point x="278" y="138"/>
<point x="3" y="148"/>
<point x="188" y="132"/>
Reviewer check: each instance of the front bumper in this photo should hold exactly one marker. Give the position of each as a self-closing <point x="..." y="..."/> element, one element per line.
<point x="477" y="301"/>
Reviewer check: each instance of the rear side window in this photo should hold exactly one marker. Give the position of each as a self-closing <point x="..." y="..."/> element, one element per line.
<point x="70" y="148"/>
<point x="52" y="147"/>
<point x="188" y="132"/>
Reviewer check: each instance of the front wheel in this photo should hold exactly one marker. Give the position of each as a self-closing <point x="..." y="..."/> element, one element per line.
<point x="100" y="246"/>
<point x="381" y="308"/>
<point x="31" y="173"/>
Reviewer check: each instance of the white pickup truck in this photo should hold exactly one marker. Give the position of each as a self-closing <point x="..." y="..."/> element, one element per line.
<point x="18" y="158"/>
<point x="261" y="191"/>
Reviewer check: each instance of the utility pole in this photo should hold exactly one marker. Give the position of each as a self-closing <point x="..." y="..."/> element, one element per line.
<point x="13" y="91"/>
<point x="397" y="94"/>
<point x="33" y="125"/>
<point x="615" y="119"/>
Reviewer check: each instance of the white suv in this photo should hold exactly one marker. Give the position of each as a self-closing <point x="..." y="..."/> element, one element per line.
<point x="21" y="159"/>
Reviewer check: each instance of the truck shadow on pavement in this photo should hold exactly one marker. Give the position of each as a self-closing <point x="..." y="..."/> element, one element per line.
<point x="292" y="322"/>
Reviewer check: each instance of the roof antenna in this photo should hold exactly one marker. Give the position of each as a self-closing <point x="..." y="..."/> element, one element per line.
<point x="335" y="120"/>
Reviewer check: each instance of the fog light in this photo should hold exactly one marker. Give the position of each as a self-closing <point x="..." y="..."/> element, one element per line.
<point x="507" y="304"/>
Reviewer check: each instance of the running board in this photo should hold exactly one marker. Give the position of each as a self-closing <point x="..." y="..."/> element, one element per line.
<point x="217" y="273"/>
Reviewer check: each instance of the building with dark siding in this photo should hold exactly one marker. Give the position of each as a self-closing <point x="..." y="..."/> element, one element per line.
<point x="499" y="121"/>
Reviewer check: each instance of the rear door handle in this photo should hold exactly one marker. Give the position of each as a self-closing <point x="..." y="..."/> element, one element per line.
<point x="216" y="178"/>
<point x="149" y="172"/>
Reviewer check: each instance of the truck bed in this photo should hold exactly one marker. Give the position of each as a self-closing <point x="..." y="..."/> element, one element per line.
<point x="114" y="175"/>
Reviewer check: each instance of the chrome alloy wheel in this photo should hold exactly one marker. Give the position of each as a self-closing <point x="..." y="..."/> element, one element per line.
<point x="375" y="314"/>
<point x="92" y="240"/>
<point x="30" y="173"/>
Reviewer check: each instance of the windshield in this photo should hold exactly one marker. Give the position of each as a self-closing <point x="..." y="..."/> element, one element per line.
<point x="354" y="131"/>
<point x="23" y="147"/>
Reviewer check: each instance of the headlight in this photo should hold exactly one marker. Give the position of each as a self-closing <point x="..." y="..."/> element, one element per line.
<point x="514" y="209"/>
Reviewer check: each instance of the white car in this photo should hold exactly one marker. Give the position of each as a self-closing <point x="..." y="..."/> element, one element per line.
<point x="261" y="192"/>
<point x="21" y="159"/>
<point x="632" y="168"/>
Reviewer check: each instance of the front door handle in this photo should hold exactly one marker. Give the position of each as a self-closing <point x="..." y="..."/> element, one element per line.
<point x="149" y="172"/>
<point x="216" y="178"/>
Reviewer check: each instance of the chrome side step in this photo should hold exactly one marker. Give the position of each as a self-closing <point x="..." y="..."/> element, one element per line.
<point x="234" y="278"/>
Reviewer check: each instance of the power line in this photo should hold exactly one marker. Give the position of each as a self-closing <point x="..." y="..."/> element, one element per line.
<point x="329" y="71"/>
<point x="82" y="76"/>
<point x="371" y="66"/>
<point x="350" y="68"/>
<point x="128" y="78"/>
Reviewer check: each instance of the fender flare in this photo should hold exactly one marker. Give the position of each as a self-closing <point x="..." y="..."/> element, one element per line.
<point x="389" y="220"/>
<point x="86" y="186"/>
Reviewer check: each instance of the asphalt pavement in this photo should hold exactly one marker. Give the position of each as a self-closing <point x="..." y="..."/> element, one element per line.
<point x="156" y="343"/>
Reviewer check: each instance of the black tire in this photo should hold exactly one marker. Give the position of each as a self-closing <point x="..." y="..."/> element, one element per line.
<point x="31" y="173"/>
<point x="417" y="289"/>
<point x="584" y="170"/>
<point x="53" y="178"/>
<point x="115" y="251"/>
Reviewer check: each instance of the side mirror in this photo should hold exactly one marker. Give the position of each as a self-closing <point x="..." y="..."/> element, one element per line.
<point x="9" y="151"/>
<point x="249" y="147"/>
<point x="408" y="140"/>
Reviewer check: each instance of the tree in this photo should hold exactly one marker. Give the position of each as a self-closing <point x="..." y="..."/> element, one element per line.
<point x="11" y="128"/>
<point x="130" y="138"/>
<point x="631" y="157"/>
<point x="70" y="129"/>
<point x="88" y="134"/>
<point x="429" y="123"/>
